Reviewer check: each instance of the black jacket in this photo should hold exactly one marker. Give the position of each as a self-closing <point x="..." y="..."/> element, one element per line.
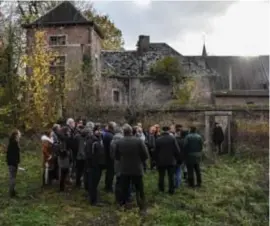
<point x="13" y="153"/>
<point x="95" y="152"/>
<point x="180" y="141"/>
<point x="218" y="135"/>
<point x="107" y="139"/>
<point x="131" y="153"/>
<point x="193" y="146"/>
<point x="71" y="141"/>
<point x="167" y="152"/>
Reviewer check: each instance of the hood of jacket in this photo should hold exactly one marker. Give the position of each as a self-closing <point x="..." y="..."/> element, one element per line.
<point x="46" y="138"/>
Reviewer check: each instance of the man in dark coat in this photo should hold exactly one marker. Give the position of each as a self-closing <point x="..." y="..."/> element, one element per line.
<point x="218" y="137"/>
<point x="131" y="153"/>
<point x="167" y="154"/>
<point x="95" y="163"/>
<point x="71" y="144"/>
<point x="193" y="145"/>
<point x="151" y="143"/>
<point x="81" y="140"/>
<point x="107" y="139"/>
<point x="13" y="160"/>
<point x="180" y="136"/>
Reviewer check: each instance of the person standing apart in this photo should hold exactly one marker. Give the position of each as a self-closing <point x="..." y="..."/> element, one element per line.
<point x="218" y="137"/>
<point x="13" y="160"/>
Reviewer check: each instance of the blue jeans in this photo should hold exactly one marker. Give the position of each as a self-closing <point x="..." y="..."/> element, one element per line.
<point x="177" y="176"/>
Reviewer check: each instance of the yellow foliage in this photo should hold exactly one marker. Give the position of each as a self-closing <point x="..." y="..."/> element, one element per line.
<point x="183" y="93"/>
<point x="253" y="127"/>
<point x="40" y="105"/>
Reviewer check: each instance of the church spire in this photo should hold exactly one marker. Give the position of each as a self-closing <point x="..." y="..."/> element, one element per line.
<point x="204" y="53"/>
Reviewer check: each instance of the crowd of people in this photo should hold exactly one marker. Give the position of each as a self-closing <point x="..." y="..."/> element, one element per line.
<point x="84" y="151"/>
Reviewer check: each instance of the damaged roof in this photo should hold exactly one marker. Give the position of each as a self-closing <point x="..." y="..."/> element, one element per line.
<point x="64" y="14"/>
<point x="132" y="63"/>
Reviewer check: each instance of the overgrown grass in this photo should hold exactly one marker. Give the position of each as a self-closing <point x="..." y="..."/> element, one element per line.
<point x="234" y="192"/>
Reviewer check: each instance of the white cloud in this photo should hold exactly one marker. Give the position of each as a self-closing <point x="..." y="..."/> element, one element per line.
<point x="143" y="3"/>
<point x="242" y="30"/>
<point x="231" y="28"/>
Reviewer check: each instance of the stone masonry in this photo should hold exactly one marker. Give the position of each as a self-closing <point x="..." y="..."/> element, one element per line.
<point x="128" y="73"/>
<point x="122" y="77"/>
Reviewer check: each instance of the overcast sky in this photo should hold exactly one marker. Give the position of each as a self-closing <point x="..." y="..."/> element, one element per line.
<point x="229" y="27"/>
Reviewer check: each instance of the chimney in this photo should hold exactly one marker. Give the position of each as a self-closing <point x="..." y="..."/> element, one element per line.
<point x="230" y="78"/>
<point x="143" y="43"/>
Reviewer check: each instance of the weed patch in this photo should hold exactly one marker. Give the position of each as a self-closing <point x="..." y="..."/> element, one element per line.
<point x="232" y="194"/>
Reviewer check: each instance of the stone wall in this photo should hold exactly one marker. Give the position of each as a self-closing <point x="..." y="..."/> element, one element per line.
<point x="79" y="40"/>
<point x="132" y="69"/>
<point x="142" y="92"/>
<point x="244" y="137"/>
<point x="95" y="53"/>
<point x="241" y="100"/>
<point x="150" y="92"/>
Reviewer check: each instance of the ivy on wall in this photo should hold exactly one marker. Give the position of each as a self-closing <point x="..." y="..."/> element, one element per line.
<point x="168" y="68"/>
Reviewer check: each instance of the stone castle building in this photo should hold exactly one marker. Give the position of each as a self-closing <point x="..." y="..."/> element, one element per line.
<point x="122" y="77"/>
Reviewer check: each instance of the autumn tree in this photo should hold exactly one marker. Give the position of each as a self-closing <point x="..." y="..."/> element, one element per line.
<point x="113" y="39"/>
<point x="39" y="106"/>
<point x="183" y="85"/>
<point x="32" y="10"/>
<point x="9" y="52"/>
<point x="81" y="88"/>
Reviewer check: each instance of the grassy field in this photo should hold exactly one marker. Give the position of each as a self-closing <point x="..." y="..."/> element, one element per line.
<point x="234" y="192"/>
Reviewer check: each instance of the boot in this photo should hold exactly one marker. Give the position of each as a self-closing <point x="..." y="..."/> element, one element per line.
<point x="12" y="194"/>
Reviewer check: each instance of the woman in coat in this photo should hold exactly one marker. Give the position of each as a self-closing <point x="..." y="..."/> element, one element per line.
<point x="47" y="151"/>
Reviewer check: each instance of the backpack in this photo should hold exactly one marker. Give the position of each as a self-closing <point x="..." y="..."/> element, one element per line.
<point x="98" y="152"/>
<point x="63" y="153"/>
<point x="81" y="149"/>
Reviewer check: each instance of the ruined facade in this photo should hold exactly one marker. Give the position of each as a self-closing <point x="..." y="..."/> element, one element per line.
<point x="127" y="80"/>
<point x="122" y="77"/>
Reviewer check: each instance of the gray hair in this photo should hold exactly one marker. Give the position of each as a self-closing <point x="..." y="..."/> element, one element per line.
<point x="127" y="129"/>
<point x="55" y="126"/>
<point x="90" y="125"/>
<point x="111" y="126"/>
<point x="69" y="121"/>
<point x="118" y="129"/>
